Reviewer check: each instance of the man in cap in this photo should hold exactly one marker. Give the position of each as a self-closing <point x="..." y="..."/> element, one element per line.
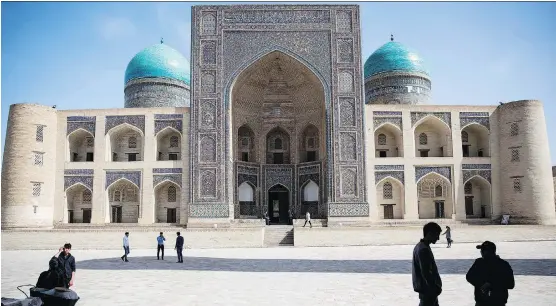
<point x="491" y="276"/>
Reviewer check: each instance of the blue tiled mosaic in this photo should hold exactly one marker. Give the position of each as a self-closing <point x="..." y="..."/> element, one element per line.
<point x="446" y="117"/>
<point x="87" y="123"/>
<point x="398" y="175"/>
<point x="137" y="121"/>
<point x="159" y="125"/>
<point x="70" y="181"/>
<point x="158" y="61"/>
<point x="79" y="172"/>
<point x="475" y="166"/>
<point x="81" y="118"/>
<point x="393" y="56"/>
<point x="465" y="121"/>
<point x="389" y="167"/>
<point x="176" y="178"/>
<point x="469" y="174"/>
<point x="474" y="114"/>
<point x="380" y="113"/>
<point x="132" y="176"/>
<point x="168" y="116"/>
<point x="167" y="170"/>
<point x="443" y="171"/>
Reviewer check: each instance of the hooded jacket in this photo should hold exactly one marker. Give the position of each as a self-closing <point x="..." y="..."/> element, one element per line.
<point x="424" y="272"/>
<point x="495" y="271"/>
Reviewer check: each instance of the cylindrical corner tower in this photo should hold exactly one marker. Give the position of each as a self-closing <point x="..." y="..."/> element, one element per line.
<point x="396" y="75"/>
<point x="158" y="76"/>
<point x="526" y="188"/>
<point x="28" y="167"/>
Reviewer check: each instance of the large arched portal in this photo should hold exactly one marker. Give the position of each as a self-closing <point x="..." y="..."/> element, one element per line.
<point x="79" y="204"/>
<point x="278" y="123"/>
<point x="434" y="197"/>
<point x="123" y="202"/>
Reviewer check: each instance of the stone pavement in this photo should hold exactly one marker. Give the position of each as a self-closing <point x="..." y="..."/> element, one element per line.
<point x="375" y="275"/>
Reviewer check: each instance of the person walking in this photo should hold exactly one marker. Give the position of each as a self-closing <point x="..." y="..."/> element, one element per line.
<point x="66" y="265"/>
<point x="424" y="272"/>
<point x="179" y="247"/>
<point x="491" y="276"/>
<point x="308" y="219"/>
<point x="126" y="247"/>
<point x="160" y="240"/>
<point x="448" y="234"/>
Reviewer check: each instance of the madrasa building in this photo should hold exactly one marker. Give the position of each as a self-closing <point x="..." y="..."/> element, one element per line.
<point x="278" y="115"/>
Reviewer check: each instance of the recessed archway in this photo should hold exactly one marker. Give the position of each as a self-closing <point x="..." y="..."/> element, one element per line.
<point x="434" y="197"/>
<point x="388" y="141"/>
<point x="167" y="202"/>
<point x="478" y="202"/>
<point x="433" y="138"/>
<point x="81" y="146"/>
<point x="168" y="144"/>
<point x="390" y="197"/>
<point x="310" y="195"/>
<point x="124" y="143"/>
<point x="475" y="141"/>
<point x="78" y="204"/>
<point x="124" y="205"/>
<point x="278" y="204"/>
<point x="247" y="200"/>
<point x="246" y="144"/>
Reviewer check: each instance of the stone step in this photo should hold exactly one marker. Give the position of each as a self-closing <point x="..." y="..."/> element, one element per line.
<point x="278" y="235"/>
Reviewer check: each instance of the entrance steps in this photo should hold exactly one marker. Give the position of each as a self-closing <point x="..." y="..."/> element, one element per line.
<point x="278" y="235"/>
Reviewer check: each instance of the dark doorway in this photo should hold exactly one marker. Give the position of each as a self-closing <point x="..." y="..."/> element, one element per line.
<point x="171" y="215"/>
<point x="173" y="156"/>
<point x="389" y="211"/>
<point x="116" y="214"/>
<point x="70" y="216"/>
<point x="131" y="156"/>
<point x="86" y="215"/>
<point x="424" y="153"/>
<point x="439" y="209"/>
<point x="465" y="149"/>
<point x="469" y="205"/>
<point x="278" y="204"/>
<point x="483" y="212"/>
<point x="381" y="153"/>
<point x="90" y="156"/>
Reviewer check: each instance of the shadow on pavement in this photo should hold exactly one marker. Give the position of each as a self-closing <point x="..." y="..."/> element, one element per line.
<point x="536" y="267"/>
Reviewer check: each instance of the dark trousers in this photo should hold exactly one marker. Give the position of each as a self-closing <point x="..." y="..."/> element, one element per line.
<point x="180" y="255"/>
<point x="311" y="225"/>
<point x="449" y="240"/>
<point x="428" y="300"/>
<point x="126" y="251"/>
<point x="490" y="304"/>
<point x="160" y="247"/>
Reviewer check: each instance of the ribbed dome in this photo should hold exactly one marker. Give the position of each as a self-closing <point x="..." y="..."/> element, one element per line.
<point x="393" y="56"/>
<point x="158" y="61"/>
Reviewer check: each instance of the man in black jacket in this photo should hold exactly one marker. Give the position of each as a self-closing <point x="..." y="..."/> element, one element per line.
<point x="179" y="247"/>
<point x="426" y="280"/>
<point x="491" y="276"/>
<point x="66" y="264"/>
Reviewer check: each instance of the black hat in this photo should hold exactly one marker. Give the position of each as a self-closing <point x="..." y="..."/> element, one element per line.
<point x="487" y="245"/>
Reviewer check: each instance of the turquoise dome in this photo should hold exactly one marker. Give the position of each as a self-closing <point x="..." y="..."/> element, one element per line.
<point x="158" y="61"/>
<point x="393" y="56"/>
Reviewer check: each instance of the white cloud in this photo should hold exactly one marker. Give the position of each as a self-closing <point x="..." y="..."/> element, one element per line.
<point x="116" y="27"/>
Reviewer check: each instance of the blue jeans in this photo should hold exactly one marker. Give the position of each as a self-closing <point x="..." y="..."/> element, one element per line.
<point x="126" y="251"/>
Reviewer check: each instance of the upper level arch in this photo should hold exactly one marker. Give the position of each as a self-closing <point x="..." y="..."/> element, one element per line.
<point x="432" y="138"/>
<point x="475" y="140"/>
<point x="81" y="146"/>
<point x="124" y="142"/>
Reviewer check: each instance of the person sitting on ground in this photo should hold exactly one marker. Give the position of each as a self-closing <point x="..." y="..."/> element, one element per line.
<point x="491" y="276"/>
<point x="51" y="278"/>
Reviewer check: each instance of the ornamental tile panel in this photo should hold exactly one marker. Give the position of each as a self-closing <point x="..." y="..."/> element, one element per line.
<point x="348" y="210"/>
<point x="378" y="121"/>
<point x="137" y="121"/>
<point x="475" y="166"/>
<point x="276" y="16"/>
<point x="465" y="121"/>
<point x="389" y="167"/>
<point x="159" y="125"/>
<point x="81" y="118"/>
<point x="445" y="117"/>
<point x="209" y="211"/>
<point x="83" y="172"/>
<point x="132" y="176"/>
<point x="176" y="178"/>
<point x="399" y="175"/>
<point x="387" y="114"/>
<point x="443" y="171"/>
<point x="474" y="114"/>
<point x="72" y="180"/>
<point x="167" y="170"/>
<point x="468" y="174"/>
<point x="168" y="116"/>
<point x="86" y="125"/>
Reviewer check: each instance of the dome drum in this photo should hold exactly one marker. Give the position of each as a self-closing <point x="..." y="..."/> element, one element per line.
<point x="156" y="92"/>
<point x="398" y="88"/>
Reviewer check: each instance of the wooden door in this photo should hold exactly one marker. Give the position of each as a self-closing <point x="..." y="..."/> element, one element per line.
<point x="388" y="211"/>
<point x="86" y="215"/>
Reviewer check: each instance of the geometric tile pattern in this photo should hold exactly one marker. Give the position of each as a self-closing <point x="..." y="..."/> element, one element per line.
<point x="209" y="210"/>
<point x="443" y="171"/>
<point x="81" y="176"/>
<point x="137" y="121"/>
<point x="482" y="118"/>
<point x="132" y="176"/>
<point x="348" y="210"/>
<point x="167" y="170"/>
<point x="468" y="174"/>
<point x="445" y="117"/>
<point x="162" y="121"/>
<point x="380" y="117"/>
<point x="81" y="122"/>
<point x="176" y="178"/>
<point x="475" y="166"/>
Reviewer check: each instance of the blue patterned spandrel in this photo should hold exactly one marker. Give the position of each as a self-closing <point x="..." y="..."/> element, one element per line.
<point x="391" y="57"/>
<point x="158" y="61"/>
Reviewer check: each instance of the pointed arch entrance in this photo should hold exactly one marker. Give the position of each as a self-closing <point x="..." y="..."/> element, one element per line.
<point x="278" y="204"/>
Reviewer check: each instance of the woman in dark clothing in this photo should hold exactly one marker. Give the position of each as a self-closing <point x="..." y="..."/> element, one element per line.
<point x="51" y="278"/>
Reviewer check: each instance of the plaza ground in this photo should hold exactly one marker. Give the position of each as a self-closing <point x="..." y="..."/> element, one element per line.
<point x="364" y="275"/>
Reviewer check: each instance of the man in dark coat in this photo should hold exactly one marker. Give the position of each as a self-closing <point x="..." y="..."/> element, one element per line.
<point x="491" y="276"/>
<point x="426" y="280"/>
<point x="66" y="264"/>
<point x="179" y="247"/>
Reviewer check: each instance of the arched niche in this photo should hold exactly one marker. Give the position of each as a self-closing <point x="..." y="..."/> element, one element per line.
<point x="124" y="143"/>
<point x="81" y="146"/>
<point x="278" y="147"/>
<point x="246" y="144"/>
<point x="434" y="194"/>
<point x="79" y="204"/>
<point x="168" y="144"/>
<point x="309" y="144"/>
<point x="388" y="141"/>
<point x="478" y="198"/>
<point x="124" y="202"/>
<point x="390" y="198"/>
<point x="247" y="200"/>
<point x="475" y="141"/>
<point x="433" y="138"/>
<point x="167" y="202"/>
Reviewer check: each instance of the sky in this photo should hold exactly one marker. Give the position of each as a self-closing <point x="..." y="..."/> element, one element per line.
<point x="74" y="54"/>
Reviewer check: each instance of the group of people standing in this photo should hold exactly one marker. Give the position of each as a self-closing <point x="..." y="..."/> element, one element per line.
<point x="160" y="246"/>
<point x="491" y="276"/>
<point x="61" y="270"/>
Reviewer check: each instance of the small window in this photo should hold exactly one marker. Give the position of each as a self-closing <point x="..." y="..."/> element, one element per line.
<point x="244" y="142"/>
<point x="174" y="142"/>
<point x="172" y="156"/>
<point x="514" y="129"/>
<point x="382" y="139"/>
<point x="132" y="142"/>
<point x="311" y="156"/>
<point x="464" y="136"/>
<point x="517" y="185"/>
<point x="245" y="156"/>
<point x="35" y="209"/>
<point x="310" y="143"/>
<point x="278" y="158"/>
<point x="424" y="153"/>
<point x="171" y="194"/>
<point x="382" y="153"/>
<point x="387" y="190"/>
<point x="438" y="191"/>
<point x="468" y="188"/>
<point x="480" y="153"/>
<point x="90" y="142"/>
<point x="132" y="157"/>
<point x="278" y="144"/>
<point x="37" y="189"/>
<point x="423" y="140"/>
<point x="39" y="133"/>
<point x="515" y="155"/>
<point x="90" y="156"/>
<point x="117" y="196"/>
<point x="38" y="158"/>
<point x="87" y="196"/>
